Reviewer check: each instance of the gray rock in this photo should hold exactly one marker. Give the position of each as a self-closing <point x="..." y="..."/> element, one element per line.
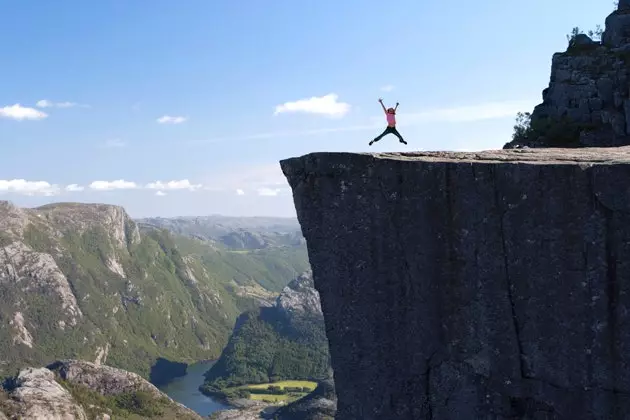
<point x="583" y="39"/>
<point x="490" y="285"/>
<point x="300" y="297"/>
<point x="237" y="414"/>
<point x="616" y="34"/>
<point x="587" y="81"/>
<point x="40" y="397"/>
<point x="105" y="380"/>
<point x="37" y="395"/>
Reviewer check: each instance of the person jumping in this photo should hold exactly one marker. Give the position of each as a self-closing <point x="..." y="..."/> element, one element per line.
<point x="390" y="113"/>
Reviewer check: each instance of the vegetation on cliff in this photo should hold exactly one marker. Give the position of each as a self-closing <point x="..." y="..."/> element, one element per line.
<point x="265" y="349"/>
<point x="284" y="342"/>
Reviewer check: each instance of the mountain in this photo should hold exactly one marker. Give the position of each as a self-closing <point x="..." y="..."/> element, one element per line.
<point x="235" y="232"/>
<point x="284" y="341"/>
<point x="78" y="390"/>
<point x="84" y="281"/>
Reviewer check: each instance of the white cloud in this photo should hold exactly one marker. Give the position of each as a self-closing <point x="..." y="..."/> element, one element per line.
<point x="183" y="184"/>
<point x="240" y="191"/>
<point x="19" y="112"/>
<point x="167" y="119"/>
<point x="45" y="103"/>
<point x="74" y="188"/>
<point x="22" y="186"/>
<point x="114" y="143"/>
<point x="324" y="105"/>
<point x="120" y="184"/>
<point x="387" y="88"/>
<point x="469" y="113"/>
<point x="269" y="192"/>
<point x="160" y="193"/>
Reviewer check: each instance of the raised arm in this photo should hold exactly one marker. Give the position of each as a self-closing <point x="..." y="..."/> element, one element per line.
<point x="396" y="108"/>
<point x="380" y="100"/>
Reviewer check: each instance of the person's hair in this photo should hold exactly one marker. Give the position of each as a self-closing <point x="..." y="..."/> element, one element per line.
<point x="390" y="110"/>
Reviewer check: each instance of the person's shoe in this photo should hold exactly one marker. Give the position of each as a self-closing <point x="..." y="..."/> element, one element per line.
<point x="404" y="142"/>
<point x="371" y="143"/>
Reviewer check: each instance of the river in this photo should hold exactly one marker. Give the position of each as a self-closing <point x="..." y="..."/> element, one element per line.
<point x="185" y="390"/>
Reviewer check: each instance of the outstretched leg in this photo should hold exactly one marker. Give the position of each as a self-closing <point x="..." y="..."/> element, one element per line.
<point x="397" y="134"/>
<point x="384" y="133"/>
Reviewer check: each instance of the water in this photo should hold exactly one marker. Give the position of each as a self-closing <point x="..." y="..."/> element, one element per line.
<point x="185" y="390"/>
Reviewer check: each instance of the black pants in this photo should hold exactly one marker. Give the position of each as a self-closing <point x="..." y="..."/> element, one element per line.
<point x="387" y="131"/>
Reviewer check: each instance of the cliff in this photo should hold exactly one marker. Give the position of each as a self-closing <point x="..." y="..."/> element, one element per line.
<point x="587" y="101"/>
<point x="472" y="285"/>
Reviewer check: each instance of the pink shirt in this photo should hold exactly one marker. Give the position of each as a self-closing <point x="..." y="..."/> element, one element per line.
<point x="391" y="119"/>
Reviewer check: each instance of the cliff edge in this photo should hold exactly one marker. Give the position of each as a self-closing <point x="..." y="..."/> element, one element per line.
<point x="472" y="285"/>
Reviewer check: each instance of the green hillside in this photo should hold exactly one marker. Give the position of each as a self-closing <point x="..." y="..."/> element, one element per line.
<point x="283" y="342"/>
<point x="82" y="281"/>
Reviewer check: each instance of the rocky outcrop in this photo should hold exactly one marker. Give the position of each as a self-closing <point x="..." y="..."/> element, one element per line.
<point x="37" y="394"/>
<point x="37" y="272"/>
<point x="472" y="285"/>
<point x="587" y="102"/>
<point x="79" y="218"/>
<point x="105" y="380"/>
<point x="251" y="413"/>
<point x="300" y="297"/>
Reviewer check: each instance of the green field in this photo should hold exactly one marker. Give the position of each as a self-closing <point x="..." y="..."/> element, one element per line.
<point x="273" y="398"/>
<point x="276" y="398"/>
<point x="284" y="384"/>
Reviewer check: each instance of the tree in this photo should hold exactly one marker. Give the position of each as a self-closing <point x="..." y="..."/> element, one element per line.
<point x="522" y="128"/>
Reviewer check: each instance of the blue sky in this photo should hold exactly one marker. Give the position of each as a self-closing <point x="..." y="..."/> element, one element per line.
<point x="185" y="108"/>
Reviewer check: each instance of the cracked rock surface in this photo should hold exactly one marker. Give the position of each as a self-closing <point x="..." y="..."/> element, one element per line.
<point x="490" y="285"/>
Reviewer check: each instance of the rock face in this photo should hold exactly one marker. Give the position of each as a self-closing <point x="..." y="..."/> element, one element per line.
<point x="105" y="380"/>
<point x="587" y="102"/>
<point x="38" y="396"/>
<point x="300" y="297"/>
<point x="491" y="285"/>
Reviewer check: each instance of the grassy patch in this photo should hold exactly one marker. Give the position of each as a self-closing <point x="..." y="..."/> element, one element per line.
<point x="281" y="391"/>
<point x="285" y="384"/>
<point x="270" y="398"/>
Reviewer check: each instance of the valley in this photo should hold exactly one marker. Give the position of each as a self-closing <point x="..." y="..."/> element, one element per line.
<point x="87" y="282"/>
